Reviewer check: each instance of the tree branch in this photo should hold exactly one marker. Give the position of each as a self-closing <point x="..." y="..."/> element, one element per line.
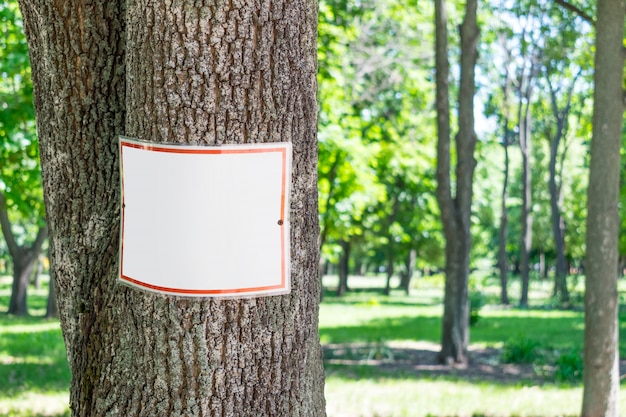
<point x="5" y="225"/>
<point x="42" y="235"/>
<point x="576" y="10"/>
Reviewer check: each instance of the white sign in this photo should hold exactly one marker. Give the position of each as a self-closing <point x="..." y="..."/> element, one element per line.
<point x="205" y="221"/>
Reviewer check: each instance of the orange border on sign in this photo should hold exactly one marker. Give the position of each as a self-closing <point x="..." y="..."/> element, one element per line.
<point x="126" y="142"/>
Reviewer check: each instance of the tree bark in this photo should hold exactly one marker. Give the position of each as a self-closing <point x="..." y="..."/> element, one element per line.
<point x="456" y="211"/>
<point x="182" y="72"/>
<point x="601" y="354"/>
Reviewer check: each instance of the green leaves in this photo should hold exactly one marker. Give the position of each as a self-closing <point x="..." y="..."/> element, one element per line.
<point x="20" y="174"/>
<point x="376" y="127"/>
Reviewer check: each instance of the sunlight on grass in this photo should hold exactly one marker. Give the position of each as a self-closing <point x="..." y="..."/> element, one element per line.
<point x="34" y="374"/>
<point x="27" y="325"/>
<point x="417" y="398"/>
<point x="30" y="404"/>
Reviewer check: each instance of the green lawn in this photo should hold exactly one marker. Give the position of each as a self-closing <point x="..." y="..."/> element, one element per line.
<point x="34" y="376"/>
<point x="365" y="318"/>
<point x="367" y="376"/>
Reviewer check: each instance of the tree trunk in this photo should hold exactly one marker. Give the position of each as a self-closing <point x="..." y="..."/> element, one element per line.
<point x="601" y="354"/>
<point x="390" y="272"/>
<point x="344" y="268"/>
<point x="503" y="263"/>
<point x="558" y="231"/>
<point x="36" y="273"/>
<point x="527" y="219"/>
<point x="543" y="269"/>
<point x="456" y="211"/>
<point x="22" y="270"/>
<point x="556" y="199"/>
<point x="407" y="276"/>
<point x="23" y="258"/>
<point x="182" y="72"/>
<point x="52" y="310"/>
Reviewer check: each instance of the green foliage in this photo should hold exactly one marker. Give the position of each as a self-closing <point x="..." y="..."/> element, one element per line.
<point x="376" y="132"/>
<point x="568" y="367"/>
<point x="561" y="365"/>
<point x="476" y="301"/>
<point x="20" y="176"/>
<point x="520" y="350"/>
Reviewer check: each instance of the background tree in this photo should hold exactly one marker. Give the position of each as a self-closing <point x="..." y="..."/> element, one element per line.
<point x="23" y="257"/>
<point x="21" y="200"/>
<point x="375" y="128"/>
<point x="601" y="378"/>
<point x="184" y="72"/>
<point x="456" y="209"/>
<point x="564" y="62"/>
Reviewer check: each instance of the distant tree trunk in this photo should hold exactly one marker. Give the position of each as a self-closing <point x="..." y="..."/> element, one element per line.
<point x="52" y="310"/>
<point x="344" y="268"/>
<point x="456" y="211"/>
<point x="543" y="269"/>
<point x="188" y="72"/>
<point x="391" y="247"/>
<point x="558" y="231"/>
<point x="390" y="272"/>
<point x="503" y="263"/>
<point x="409" y="270"/>
<point x="560" y="275"/>
<point x="527" y="219"/>
<point x="601" y="354"/>
<point x="37" y="270"/>
<point x="556" y="198"/>
<point x="22" y="271"/>
<point x="23" y="258"/>
<point x="503" y="258"/>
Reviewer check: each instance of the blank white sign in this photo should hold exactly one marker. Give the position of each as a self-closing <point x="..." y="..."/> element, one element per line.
<point x="205" y="221"/>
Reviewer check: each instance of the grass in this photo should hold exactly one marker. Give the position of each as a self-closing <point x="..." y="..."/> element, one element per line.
<point x="34" y="376"/>
<point x="414" y="398"/>
<point x="367" y="317"/>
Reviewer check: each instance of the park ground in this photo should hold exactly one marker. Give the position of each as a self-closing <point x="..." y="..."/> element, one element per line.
<point x="380" y="354"/>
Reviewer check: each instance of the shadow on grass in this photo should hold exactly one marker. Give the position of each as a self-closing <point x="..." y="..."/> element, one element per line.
<point x="421" y="361"/>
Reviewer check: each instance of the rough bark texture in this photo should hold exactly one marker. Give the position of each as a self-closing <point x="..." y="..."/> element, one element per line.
<point x="601" y="376"/>
<point x="186" y="72"/>
<point x="23" y="257"/>
<point x="456" y="211"/>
